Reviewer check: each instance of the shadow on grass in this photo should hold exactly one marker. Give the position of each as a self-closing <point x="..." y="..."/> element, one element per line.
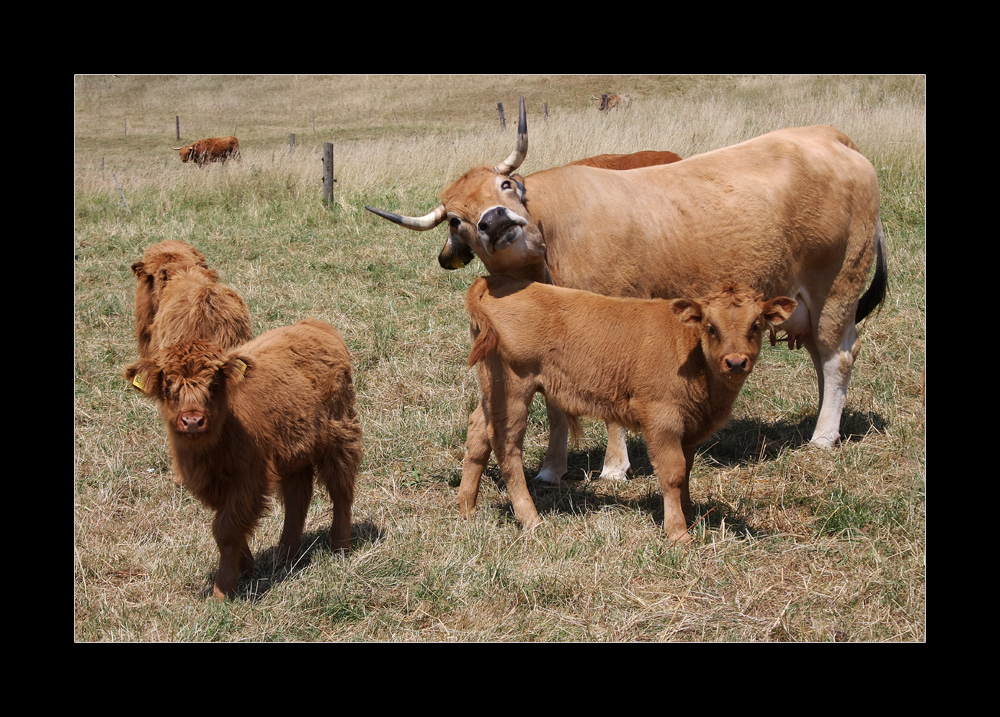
<point x="268" y="571"/>
<point x="741" y="442"/>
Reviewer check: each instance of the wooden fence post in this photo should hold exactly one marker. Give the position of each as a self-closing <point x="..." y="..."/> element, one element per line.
<point x="545" y="111"/>
<point x="503" y="122"/>
<point x="291" y="144"/>
<point x="177" y="122"/>
<point x="328" y="179"/>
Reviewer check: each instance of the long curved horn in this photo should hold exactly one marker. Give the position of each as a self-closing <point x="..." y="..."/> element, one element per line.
<point x="420" y="224"/>
<point x="176" y="148"/>
<point x="520" y="149"/>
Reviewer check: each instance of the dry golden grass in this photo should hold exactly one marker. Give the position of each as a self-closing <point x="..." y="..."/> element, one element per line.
<point x="793" y="545"/>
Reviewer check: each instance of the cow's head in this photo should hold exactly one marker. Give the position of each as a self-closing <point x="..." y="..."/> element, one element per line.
<point x="190" y="382"/>
<point x="487" y="217"/>
<point x="732" y="323"/>
<point x="185" y="152"/>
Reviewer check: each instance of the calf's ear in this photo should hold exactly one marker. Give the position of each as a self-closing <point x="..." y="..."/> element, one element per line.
<point x="236" y="367"/>
<point x="688" y="311"/>
<point x="144" y="375"/>
<point x="138" y="268"/>
<point x="778" y="309"/>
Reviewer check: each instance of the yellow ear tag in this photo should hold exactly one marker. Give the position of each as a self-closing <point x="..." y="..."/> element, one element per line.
<point x="243" y="366"/>
<point x="137" y="382"/>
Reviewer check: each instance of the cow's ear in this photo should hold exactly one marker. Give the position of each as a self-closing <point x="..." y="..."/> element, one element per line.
<point x="519" y="181"/>
<point x="237" y="367"/>
<point x="145" y="376"/>
<point x="778" y="310"/>
<point x="138" y="268"/>
<point x="688" y="311"/>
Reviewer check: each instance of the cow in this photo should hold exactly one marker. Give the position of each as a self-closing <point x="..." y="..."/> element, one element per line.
<point x="259" y="418"/>
<point x="179" y="297"/>
<point x="794" y="212"/>
<point x="671" y="369"/>
<point x="612" y="102"/>
<point x="213" y="149"/>
<point x="645" y="158"/>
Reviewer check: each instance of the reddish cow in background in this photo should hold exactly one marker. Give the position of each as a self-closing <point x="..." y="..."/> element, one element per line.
<point x="262" y="417"/>
<point x="213" y="149"/>
<point x="645" y="158"/>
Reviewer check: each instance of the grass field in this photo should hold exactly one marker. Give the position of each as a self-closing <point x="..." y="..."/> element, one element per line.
<point x="794" y="544"/>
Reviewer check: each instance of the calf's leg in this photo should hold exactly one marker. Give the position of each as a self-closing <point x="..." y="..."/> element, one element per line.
<point x="296" y="491"/>
<point x="672" y="464"/>
<point x="339" y="472"/>
<point x="506" y="413"/>
<point x="234" y="556"/>
<point x="477" y="455"/>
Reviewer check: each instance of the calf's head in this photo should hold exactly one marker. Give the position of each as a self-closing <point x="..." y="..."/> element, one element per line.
<point x="190" y="382"/>
<point x="487" y="217"/>
<point x="159" y="263"/>
<point x="732" y="323"/>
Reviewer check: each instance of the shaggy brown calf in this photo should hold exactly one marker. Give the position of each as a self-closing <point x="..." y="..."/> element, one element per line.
<point x="263" y="416"/>
<point x="213" y="149"/>
<point x="671" y="369"/>
<point x="150" y="282"/>
<point x="178" y="298"/>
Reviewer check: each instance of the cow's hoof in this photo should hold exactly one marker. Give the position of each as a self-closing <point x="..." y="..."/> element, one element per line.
<point x="548" y="477"/>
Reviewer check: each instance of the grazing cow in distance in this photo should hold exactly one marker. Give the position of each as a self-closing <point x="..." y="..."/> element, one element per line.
<point x="264" y="416"/>
<point x="645" y="158"/>
<point x="672" y="369"/>
<point x="612" y="102"/>
<point x="794" y="213"/>
<point x="179" y="298"/>
<point x="213" y="149"/>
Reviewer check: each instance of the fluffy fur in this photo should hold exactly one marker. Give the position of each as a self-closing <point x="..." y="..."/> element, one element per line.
<point x="262" y="417"/>
<point x="179" y="298"/>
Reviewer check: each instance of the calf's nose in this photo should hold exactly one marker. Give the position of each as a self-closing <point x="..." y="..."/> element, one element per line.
<point x="736" y="364"/>
<point x="191" y="422"/>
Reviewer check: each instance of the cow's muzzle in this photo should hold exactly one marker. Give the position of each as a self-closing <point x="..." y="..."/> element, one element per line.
<point x="499" y="227"/>
<point x="192" y="423"/>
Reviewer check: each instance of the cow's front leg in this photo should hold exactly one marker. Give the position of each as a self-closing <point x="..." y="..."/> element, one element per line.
<point x="555" y="465"/>
<point x="616" y="463"/>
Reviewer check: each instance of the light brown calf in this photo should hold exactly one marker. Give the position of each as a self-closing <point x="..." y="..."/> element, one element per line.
<point x="264" y="416"/>
<point x="178" y="298"/>
<point x="672" y="369"/>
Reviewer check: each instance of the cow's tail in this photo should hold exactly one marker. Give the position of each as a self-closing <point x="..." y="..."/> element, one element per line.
<point x="484" y="334"/>
<point x="873" y="298"/>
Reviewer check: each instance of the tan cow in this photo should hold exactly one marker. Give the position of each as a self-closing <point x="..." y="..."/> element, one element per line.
<point x="672" y="369"/>
<point x="791" y="213"/>
<point x="213" y="149"/>
<point x="259" y="418"/>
